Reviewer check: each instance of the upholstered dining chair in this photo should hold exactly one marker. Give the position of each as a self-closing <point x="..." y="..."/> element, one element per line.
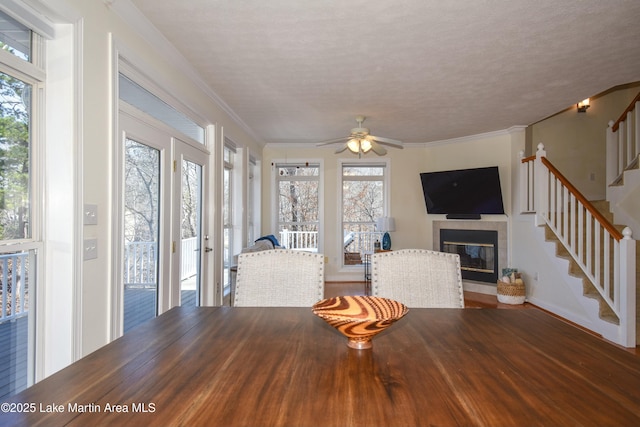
<point x="418" y="278"/>
<point x="279" y="278"/>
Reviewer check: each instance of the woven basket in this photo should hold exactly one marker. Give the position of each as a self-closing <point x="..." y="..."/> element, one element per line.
<point x="511" y="293"/>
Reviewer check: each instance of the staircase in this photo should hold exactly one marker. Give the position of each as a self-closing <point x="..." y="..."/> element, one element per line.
<point x="600" y="259"/>
<point x="601" y="256"/>
<point x="588" y="288"/>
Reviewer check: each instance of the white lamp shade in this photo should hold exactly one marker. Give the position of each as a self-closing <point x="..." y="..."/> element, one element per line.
<point x="386" y="223"/>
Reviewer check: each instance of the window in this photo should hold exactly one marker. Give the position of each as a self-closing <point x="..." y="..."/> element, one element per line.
<point x="20" y="83"/>
<point x="253" y="201"/>
<point x="364" y="200"/>
<point x="298" y="204"/>
<point x="139" y="97"/>
<point x="227" y="211"/>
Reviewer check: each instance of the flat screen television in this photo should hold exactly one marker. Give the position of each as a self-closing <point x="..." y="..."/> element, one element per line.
<point x="463" y="193"/>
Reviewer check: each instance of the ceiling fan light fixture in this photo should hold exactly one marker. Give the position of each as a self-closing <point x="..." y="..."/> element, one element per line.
<point x="354" y="145"/>
<point x="361" y="142"/>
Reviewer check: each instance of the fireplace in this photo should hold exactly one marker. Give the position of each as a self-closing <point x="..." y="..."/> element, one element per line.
<point x="473" y="281"/>
<point x="478" y="251"/>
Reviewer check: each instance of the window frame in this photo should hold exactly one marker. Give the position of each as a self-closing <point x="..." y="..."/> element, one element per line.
<point x="275" y="203"/>
<point x="385" y="164"/>
<point x="32" y="72"/>
<point x="229" y="154"/>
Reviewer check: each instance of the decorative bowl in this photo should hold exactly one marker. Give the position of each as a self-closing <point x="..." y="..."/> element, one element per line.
<point x="359" y="318"/>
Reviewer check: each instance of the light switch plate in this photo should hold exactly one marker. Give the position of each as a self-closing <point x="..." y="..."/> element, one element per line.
<point x="90" y="214"/>
<point x="90" y="249"/>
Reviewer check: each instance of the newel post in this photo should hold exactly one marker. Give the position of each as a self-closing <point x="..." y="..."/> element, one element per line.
<point x="612" y="154"/>
<point x="627" y="287"/>
<point x="541" y="187"/>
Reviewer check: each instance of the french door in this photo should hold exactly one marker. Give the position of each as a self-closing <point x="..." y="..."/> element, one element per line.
<point x="160" y="228"/>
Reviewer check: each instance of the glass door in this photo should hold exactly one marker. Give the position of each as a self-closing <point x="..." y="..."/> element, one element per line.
<point x="163" y="239"/>
<point x="190" y="242"/>
<point x="141" y="232"/>
<point x="145" y="221"/>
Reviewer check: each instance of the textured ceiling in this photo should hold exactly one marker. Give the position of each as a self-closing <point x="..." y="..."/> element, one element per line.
<point x="420" y="70"/>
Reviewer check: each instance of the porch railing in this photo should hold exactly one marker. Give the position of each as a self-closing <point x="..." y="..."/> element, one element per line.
<point x="362" y="241"/>
<point x="623" y="142"/>
<point x="14" y="296"/>
<point x="355" y="241"/>
<point x="604" y="254"/>
<point x="299" y="240"/>
<point x="140" y="262"/>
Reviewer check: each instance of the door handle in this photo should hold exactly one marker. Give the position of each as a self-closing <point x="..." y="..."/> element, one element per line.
<point x="208" y="249"/>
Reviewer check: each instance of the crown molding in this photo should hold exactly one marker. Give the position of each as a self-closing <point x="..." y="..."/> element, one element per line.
<point x="494" y="134"/>
<point x="139" y="23"/>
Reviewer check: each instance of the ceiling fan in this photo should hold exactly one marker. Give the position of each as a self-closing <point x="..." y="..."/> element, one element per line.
<point x="360" y="141"/>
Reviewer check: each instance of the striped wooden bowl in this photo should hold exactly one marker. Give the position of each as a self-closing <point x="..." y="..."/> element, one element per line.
<point x="359" y="318"/>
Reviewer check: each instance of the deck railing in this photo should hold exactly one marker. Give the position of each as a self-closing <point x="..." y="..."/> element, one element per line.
<point x="140" y="262"/>
<point x="14" y="296"/>
<point x="363" y="241"/>
<point x="604" y="254"/>
<point x="355" y="241"/>
<point x="299" y="240"/>
<point x="623" y="142"/>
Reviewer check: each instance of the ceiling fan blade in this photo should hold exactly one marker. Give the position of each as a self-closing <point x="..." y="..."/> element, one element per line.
<point x="388" y="141"/>
<point x="342" y="148"/>
<point x="378" y="149"/>
<point x="332" y="141"/>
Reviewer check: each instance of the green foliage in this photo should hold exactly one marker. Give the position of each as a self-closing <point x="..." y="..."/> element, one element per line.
<point x="14" y="158"/>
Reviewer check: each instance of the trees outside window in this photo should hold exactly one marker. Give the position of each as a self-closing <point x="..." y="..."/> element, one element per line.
<point x="298" y="191"/>
<point x="363" y="202"/>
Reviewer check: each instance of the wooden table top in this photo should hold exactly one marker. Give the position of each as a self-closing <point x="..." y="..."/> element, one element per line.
<point x="285" y="367"/>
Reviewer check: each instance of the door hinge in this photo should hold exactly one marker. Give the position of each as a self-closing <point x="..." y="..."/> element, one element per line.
<point x="175" y="165"/>
<point x="173" y="247"/>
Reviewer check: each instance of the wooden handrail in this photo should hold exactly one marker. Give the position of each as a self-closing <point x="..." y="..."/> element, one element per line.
<point x="623" y="116"/>
<point x="527" y="159"/>
<point x="587" y="204"/>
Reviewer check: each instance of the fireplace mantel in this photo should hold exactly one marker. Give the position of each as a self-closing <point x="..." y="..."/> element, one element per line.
<point x="499" y="226"/>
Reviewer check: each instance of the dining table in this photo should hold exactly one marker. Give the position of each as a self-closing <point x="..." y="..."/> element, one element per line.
<point x="283" y="366"/>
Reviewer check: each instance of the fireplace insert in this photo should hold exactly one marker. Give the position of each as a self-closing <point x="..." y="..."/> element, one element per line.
<point x="478" y="250"/>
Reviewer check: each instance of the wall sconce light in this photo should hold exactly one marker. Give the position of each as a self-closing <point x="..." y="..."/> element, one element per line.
<point x="583" y="105"/>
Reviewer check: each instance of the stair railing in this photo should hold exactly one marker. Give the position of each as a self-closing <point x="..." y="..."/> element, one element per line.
<point x="605" y="255"/>
<point x="623" y="142"/>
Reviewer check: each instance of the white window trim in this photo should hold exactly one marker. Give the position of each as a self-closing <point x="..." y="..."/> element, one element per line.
<point x="57" y="166"/>
<point x="274" y="195"/>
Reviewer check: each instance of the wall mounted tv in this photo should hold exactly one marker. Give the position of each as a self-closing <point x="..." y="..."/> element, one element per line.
<point x="463" y="193"/>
